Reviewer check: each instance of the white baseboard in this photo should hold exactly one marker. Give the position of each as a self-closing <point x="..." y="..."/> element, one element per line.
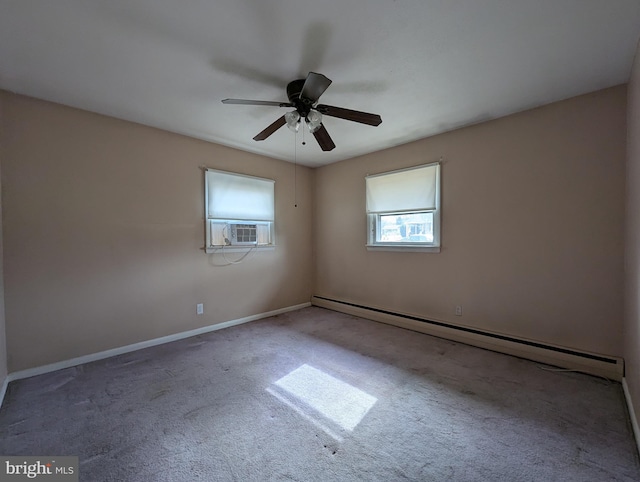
<point x="632" y="413"/>
<point x="596" y="364"/>
<point x="31" y="372"/>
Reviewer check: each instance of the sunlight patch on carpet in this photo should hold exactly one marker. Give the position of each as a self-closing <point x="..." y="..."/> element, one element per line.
<point x="322" y="426"/>
<point x="343" y="404"/>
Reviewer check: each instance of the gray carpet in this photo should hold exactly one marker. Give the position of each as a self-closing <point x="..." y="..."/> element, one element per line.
<point x="318" y="395"/>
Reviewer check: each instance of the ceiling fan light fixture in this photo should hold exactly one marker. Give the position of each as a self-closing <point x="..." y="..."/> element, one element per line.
<point x="314" y="121"/>
<point x="293" y="120"/>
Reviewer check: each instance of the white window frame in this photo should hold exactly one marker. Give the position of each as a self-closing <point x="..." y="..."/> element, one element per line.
<point x="374" y="225"/>
<point x="218" y="225"/>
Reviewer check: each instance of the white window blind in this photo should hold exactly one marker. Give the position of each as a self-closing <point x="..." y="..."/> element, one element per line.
<point x="239" y="197"/>
<point x="406" y="190"/>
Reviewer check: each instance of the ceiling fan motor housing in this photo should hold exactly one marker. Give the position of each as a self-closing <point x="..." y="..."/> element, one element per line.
<point x="302" y="104"/>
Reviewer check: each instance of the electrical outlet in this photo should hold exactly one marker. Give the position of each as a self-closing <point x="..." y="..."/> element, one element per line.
<point x="200" y="308"/>
<point x="459" y="310"/>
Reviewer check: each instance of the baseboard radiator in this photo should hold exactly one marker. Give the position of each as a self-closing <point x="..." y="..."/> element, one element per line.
<point x="591" y="363"/>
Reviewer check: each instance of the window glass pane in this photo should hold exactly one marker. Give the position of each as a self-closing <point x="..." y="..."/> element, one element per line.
<point x="406" y="228"/>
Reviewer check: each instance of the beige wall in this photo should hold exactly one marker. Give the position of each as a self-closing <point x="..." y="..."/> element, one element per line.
<point x="3" y="346"/>
<point x="103" y="230"/>
<point x="632" y="254"/>
<point x="532" y="230"/>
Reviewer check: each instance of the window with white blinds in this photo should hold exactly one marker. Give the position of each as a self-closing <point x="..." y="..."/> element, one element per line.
<point x="403" y="207"/>
<point x="240" y="210"/>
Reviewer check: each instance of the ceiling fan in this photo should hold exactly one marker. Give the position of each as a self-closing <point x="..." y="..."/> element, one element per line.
<point x="303" y="95"/>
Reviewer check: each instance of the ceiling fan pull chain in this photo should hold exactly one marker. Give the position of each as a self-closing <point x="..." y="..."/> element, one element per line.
<point x="295" y="169"/>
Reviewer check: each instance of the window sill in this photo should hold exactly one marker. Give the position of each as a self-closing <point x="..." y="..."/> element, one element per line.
<point x="238" y="249"/>
<point x="403" y="248"/>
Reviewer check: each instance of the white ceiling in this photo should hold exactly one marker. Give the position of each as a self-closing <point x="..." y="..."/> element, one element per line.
<point x="426" y="66"/>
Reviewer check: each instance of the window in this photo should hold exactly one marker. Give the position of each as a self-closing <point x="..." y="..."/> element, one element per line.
<point x="403" y="208"/>
<point x="239" y="210"/>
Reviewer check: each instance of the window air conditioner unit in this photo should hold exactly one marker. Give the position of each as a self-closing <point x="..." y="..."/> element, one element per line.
<point x="243" y="234"/>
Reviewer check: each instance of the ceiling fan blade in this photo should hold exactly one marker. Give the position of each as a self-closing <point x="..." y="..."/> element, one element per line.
<point x="271" y="129"/>
<point x="348" y="114"/>
<point x="324" y="139"/>
<point x="314" y="86"/>
<point x="257" y="102"/>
